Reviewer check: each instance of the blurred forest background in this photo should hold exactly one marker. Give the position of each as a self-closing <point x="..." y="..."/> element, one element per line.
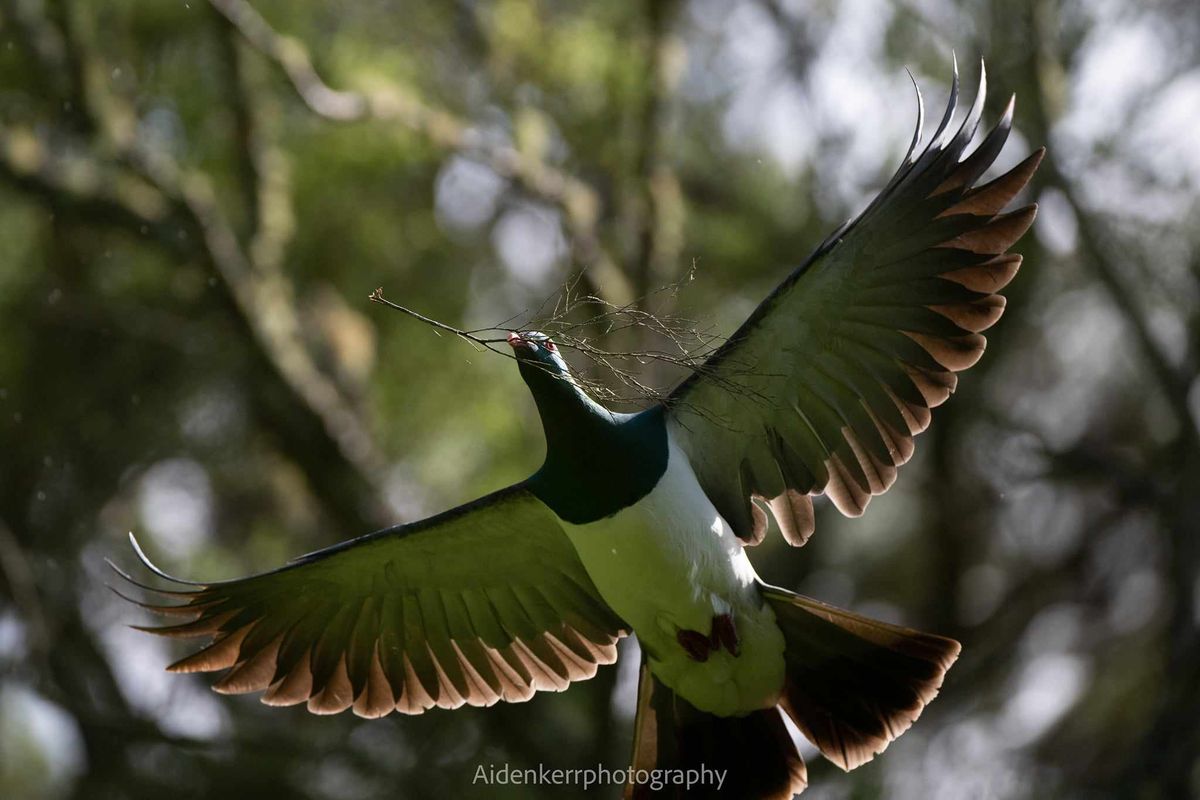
<point x="197" y="196"/>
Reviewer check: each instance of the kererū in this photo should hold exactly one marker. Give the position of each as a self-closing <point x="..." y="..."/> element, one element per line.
<point x="637" y="523"/>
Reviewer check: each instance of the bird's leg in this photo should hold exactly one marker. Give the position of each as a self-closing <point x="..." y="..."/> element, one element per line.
<point x="724" y="634"/>
<point x="695" y="644"/>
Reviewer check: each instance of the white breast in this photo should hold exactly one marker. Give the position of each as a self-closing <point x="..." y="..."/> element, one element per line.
<point x="670" y="562"/>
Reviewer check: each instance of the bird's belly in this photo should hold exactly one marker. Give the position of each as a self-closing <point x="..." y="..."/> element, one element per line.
<point x="670" y="562"/>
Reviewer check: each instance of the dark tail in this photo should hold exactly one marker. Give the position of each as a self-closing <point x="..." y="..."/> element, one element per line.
<point x="740" y="757"/>
<point x="853" y="685"/>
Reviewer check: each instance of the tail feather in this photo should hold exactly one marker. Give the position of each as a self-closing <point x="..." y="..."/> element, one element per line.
<point x="751" y="756"/>
<point x="854" y="684"/>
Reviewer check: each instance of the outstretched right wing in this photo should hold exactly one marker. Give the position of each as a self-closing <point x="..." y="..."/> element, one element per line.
<point x="485" y="602"/>
<point x="823" y="388"/>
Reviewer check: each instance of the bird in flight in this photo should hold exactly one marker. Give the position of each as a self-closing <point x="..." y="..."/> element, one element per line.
<point x="638" y="523"/>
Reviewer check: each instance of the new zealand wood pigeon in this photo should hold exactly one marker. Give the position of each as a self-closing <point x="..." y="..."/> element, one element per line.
<point x="637" y="523"/>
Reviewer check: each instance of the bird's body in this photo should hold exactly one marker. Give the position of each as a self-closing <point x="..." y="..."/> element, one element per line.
<point x="655" y="547"/>
<point x="669" y="562"/>
<point x="637" y="523"/>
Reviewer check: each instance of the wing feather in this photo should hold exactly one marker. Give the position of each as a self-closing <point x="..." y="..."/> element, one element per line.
<point x="823" y="388"/>
<point x="484" y="603"/>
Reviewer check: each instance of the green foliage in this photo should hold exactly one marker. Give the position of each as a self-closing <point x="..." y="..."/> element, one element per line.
<point x="187" y="351"/>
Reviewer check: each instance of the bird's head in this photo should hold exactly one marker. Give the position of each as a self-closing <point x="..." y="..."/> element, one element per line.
<point x="566" y="410"/>
<point x="537" y="352"/>
<point x="556" y="391"/>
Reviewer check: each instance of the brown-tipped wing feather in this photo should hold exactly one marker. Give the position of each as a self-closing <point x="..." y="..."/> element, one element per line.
<point x="823" y="388"/>
<point x="484" y="603"/>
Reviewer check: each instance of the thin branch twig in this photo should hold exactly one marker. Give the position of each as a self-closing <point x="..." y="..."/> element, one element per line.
<point x="688" y="347"/>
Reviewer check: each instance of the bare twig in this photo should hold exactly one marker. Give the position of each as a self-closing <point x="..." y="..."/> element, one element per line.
<point x="469" y="336"/>
<point x="613" y="375"/>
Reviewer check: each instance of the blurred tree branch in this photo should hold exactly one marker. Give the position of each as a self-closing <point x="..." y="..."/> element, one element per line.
<point x="1162" y="762"/>
<point x="20" y="585"/>
<point x="655" y="206"/>
<point x="141" y="189"/>
<point x="100" y="169"/>
<point x="1098" y="248"/>
<point x="1099" y="255"/>
<point x="393" y="103"/>
<point x="131" y="345"/>
<point x="798" y="31"/>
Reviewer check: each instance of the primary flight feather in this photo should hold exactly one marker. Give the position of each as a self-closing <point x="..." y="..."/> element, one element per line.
<point x="636" y="523"/>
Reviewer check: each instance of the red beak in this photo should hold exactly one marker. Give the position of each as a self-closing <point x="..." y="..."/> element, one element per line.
<point x="515" y="340"/>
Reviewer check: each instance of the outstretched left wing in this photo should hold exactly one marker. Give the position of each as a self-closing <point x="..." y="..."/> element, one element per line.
<point x="482" y="603"/>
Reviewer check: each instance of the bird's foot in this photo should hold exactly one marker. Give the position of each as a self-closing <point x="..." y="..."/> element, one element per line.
<point x="724" y="634"/>
<point x="699" y="647"/>
<point x="695" y="644"/>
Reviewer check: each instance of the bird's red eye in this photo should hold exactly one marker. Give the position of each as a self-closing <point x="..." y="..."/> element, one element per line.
<point x="553" y="348"/>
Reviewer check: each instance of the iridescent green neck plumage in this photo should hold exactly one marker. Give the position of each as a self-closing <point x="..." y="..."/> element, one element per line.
<point x="597" y="461"/>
